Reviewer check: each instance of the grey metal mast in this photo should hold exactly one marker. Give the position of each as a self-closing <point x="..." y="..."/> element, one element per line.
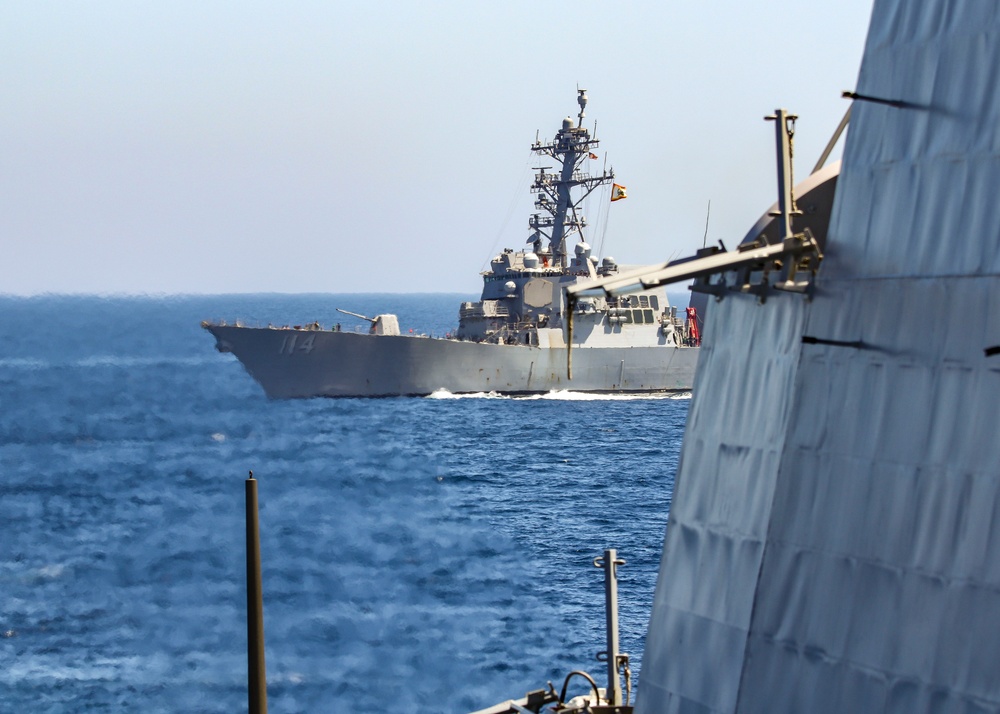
<point x="571" y="146"/>
<point x="784" y="131"/>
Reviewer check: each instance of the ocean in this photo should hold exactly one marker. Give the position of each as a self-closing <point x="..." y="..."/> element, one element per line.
<point x="419" y="554"/>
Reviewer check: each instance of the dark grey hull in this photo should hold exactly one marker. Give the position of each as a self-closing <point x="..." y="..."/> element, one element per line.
<point x="301" y="363"/>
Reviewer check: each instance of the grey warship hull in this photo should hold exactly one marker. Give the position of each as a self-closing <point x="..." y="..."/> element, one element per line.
<point x="291" y="364"/>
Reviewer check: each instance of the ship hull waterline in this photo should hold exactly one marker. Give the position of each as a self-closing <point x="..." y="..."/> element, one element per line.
<point x="296" y="364"/>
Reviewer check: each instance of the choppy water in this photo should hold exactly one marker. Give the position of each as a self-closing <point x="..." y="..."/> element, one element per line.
<point x="419" y="554"/>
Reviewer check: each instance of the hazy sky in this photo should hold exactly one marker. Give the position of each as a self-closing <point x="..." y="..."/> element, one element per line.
<point x="209" y="147"/>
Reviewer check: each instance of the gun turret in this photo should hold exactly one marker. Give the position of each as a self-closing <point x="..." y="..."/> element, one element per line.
<point x="381" y="324"/>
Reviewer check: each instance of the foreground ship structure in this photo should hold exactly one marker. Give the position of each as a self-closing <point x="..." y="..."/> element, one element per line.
<point x="516" y="338"/>
<point x="835" y="523"/>
<point x="835" y="527"/>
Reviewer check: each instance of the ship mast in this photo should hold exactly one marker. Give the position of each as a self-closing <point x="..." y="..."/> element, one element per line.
<point x="571" y="147"/>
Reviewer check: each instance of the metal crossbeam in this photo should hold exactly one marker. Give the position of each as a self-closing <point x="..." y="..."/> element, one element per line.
<point x="707" y="262"/>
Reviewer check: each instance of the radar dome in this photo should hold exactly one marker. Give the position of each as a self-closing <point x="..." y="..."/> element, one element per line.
<point x="568" y="123"/>
<point x="582" y="248"/>
<point x="530" y="260"/>
<point x="510" y="286"/>
<point x="609" y="262"/>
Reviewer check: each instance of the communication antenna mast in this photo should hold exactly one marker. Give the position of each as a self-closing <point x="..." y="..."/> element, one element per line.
<point x="704" y="240"/>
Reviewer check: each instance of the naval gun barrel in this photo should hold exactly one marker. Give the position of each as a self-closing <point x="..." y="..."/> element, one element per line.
<point x="354" y="314"/>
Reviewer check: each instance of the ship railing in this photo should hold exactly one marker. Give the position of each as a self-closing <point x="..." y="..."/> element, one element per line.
<point x="477" y="310"/>
<point x="516" y="333"/>
<point x="583" y="177"/>
<point x="543" y="181"/>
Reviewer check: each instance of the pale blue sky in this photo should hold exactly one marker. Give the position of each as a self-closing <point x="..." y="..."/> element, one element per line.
<point x="206" y="147"/>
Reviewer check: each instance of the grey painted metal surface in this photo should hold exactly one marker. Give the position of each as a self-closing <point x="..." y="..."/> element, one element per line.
<point x="326" y="363"/>
<point x="514" y="339"/>
<point x="833" y="536"/>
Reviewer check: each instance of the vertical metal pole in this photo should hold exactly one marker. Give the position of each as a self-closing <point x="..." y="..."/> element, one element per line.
<point x="833" y="140"/>
<point x="781" y="119"/>
<point x="256" y="678"/>
<point x="570" y="307"/>
<point x="608" y="563"/>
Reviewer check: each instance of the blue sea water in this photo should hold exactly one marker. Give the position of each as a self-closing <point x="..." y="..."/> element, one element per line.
<point x="428" y="554"/>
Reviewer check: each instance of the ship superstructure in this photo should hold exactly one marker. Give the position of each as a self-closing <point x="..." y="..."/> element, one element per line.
<point x="524" y="291"/>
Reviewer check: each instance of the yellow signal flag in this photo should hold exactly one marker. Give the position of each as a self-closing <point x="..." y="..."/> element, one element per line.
<point x="618" y="192"/>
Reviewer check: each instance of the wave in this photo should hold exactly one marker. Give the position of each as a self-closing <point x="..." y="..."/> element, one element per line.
<point x="565" y="395"/>
<point x="445" y="394"/>
<point x="571" y="396"/>
<point x="124" y="361"/>
<point x="31" y="363"/>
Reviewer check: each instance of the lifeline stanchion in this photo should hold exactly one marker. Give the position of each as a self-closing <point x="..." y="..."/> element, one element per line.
<point x="609" y="564"/>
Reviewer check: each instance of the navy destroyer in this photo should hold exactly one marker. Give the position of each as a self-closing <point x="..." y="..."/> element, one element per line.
<point x="516" y="339"/>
